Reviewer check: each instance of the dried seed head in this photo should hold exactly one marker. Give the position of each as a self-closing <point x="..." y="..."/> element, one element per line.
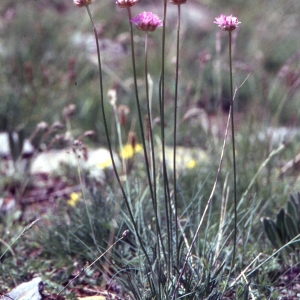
<point x="57" y="125"/>
<point x="123" y="111"/>
<point x="89" y="133"/>
<point x="42" y="126"/>
<point x="132" y="139"/>
<point x="125" y="233"/>
<point x="69" y="110"/>
<point x="112" y="96"/>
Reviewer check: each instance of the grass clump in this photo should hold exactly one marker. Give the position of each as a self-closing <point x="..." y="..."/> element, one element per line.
<point x="191" y="204"/>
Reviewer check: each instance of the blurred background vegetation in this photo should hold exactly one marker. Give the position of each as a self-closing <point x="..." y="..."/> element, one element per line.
<point x="48" y="61"/>
<point x="47" y="55"/>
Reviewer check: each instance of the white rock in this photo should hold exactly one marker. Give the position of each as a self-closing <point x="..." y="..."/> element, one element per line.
<point x="278" y="135"/>
<point x="51" y="161"/>
<point x="30" y="290"/>
<point x="28" y="149"/>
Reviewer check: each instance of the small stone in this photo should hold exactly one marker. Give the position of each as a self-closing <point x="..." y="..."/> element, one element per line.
<point x="30" y="290"/>
<point x="27" y="150"/>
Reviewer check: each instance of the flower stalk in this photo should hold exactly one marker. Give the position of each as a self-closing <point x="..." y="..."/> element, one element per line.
<point x="166" y="189"/>
<point x="134" y="21"/>
<point x="175" y="132"/>
<point x="148" y="21"/>
<point x="233" y="151"/>
<point x="230" y="23"/>
<point x="150" y="125"/>
<point x="108" y="138"/>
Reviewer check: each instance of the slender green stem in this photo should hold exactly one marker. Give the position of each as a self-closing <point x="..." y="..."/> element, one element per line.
<point x="175" y="134"/>
<point x="151" y="187"/>
<point x="154" y="200"/>
<point x="153" y="197"/>
<point x="233" y="153"/>
<point x="150" y="118"/>
<point x="139" y="107"/>
<point x="108" y="138"/>
<point x="203" y="216"/>
<point x="162" y="124"/>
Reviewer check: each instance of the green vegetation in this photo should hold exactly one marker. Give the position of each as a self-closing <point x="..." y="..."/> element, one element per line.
<point x="49" y="73"/>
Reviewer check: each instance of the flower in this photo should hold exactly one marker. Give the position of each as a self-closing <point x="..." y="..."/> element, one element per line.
<point x="228" y="23"/>
<point x="146" y="21"/>
<point x="191" y="164"/>
<point x="128" y="150"/>
<point x="74" y="197"/>
<point x="104" y="164"/>
<point x="81" y="3"/>
<point x="177" y="2"/>
<point x="126" y="3"/>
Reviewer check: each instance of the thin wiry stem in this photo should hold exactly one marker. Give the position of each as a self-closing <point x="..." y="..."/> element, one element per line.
<point x="152" y="190"/>
<point x="175" y="135"/>
<point x="233" y="153"/>
<point x="153" y="193"/>
<point x="149" y="118"/>
<point x="9" y="246"/>
<point x="149" y="111"/>
<point x="108" y="138"/>
<point x="154" y="200"/>
<point x="139" y="107"/>
<point x="162" y="127"/>
<point x="83" y="270"/>
<point x="203" y="215"/>
<point x="233" y="160"/>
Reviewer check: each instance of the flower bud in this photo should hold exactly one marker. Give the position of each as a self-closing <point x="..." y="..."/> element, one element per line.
<point x="126" y="3"/>
<point x="81" y="3"/>
<point x="177" y="2"/>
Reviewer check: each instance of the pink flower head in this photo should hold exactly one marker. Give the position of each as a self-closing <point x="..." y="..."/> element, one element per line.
<point x="81" y="3"/>
<point x="126" y="3"/>
<point x="228" y="23"/>
<point x="146" y="21"/>
<point x="177" y="2"/>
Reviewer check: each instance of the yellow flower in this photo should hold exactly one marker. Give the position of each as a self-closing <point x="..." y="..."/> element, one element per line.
<point x="128" y="151"/>
<point x="104" y="164"/>
<point x="191" y="164"/>
<point x="74" y="197"/>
